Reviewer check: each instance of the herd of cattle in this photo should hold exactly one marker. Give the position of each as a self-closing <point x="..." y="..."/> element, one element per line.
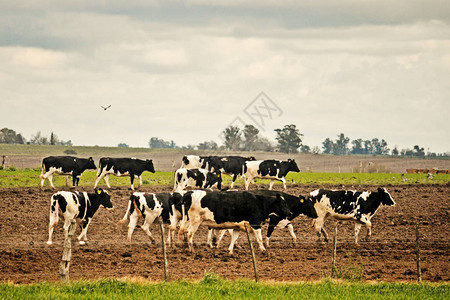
<point x="219" y="210"/>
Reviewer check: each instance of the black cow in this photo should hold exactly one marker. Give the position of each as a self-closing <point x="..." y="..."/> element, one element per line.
<point x="197" y="178"/>
<point x="132" y="167"/>
<point x="77" y="205"/>
<point x="348" y="205"/>
<point x="65" y="165"/>
<point x="231" y="165"/>
<point x="151" y="206"/>
<point x="297" y="206"/>
<point x="231" y="210"/>
<point x="270" y="169"/>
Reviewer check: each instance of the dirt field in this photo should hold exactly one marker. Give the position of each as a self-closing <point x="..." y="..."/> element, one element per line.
<point x="389" y="256"/>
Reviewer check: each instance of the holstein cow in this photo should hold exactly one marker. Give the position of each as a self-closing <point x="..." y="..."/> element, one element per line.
<point x="77" y="205"/>
<point x="269" y="169"/>
<point x="150" y="206"/>
<point x="231" y="165"/>
<point x="297" y="206"/>
<point x="196" y="178"/>
<point x="194" y="162"/>
<point x="65" y="165"/>
<point x="132" y="167"/>
<point x="348" y="205"/>
<point x="231" y="210"/>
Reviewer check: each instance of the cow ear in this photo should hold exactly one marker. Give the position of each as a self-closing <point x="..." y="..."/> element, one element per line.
<point x="289" y="160"/>
<point x="99" y="191"/>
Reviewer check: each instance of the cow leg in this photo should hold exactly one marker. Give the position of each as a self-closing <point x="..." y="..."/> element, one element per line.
<point x="234" y="179"/>
<point x="292" y="233"/>
<point x="210" y="237"/>
<point x="133" y="221"/>
<point x="234" y="238"/>
<point x="259" y="239"/>
<point x="83" y="234"/>
<point x="149" y="219"/>
<point x="67" y="179"/>
<point x="222" y="233"/>
<point x="318" y="225"/>
<point x="140" y="181"/>
<point x="369" y="230"/>
<point x="193" y="226"/>
<point x="284" y="182"/>
<point x="247" y="182"/>
<point x="271" y="184"/>
<point x="106" y="178"/>
<point x="99" y="176"/>
<point x="54" y="218"/>
<point x="50" y="179"/>
<point x="132" y="181"/>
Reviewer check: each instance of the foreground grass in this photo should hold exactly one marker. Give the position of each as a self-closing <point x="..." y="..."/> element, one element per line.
<point x="213" y="287"/>
<point x="30" y="178"/>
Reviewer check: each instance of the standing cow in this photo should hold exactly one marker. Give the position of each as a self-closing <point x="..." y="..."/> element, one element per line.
<point x="132" y="167"/>
<point x="196" y="178"/>
<point x="348" y="205"/>
<point x="150" y="206"/>
<point x="65" y="165"/>
<point x="230" y="165"/>
<point x="269" y="169"/>
<point x="76" y="205"/>
<point x="231" y="210"/>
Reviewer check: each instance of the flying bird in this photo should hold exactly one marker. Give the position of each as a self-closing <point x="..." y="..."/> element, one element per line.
<point x="105" y="108"/>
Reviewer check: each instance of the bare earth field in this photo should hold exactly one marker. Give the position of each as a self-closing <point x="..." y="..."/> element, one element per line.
<point x="389" y="256"/>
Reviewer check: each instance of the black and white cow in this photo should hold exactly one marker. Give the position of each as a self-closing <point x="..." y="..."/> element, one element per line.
<point x="231" y="210"/>
<point x="297" y="206"/>
<point x="269" y="169"/>
<point x="76" y="205"/>
<point x="196" y="178"/>
<point x="194" y="162"/>
<point x="348" y="205"/>
<point x="132" y="167"/>
<point x="151" y="206"/>
<point x="65" y="165"/>
<point x="230" y="165"/>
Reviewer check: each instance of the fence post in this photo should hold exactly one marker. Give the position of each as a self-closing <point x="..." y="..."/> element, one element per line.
<point x="252" y="252"/>
<point x="333" y="252"/>
<point x="419" y="270"/>
<point x="163" y="242"/>
<point x="67" y="252"/>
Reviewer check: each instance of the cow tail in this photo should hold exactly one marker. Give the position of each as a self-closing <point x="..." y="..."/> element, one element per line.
<point x="125" y="217"/>
<point x="99" y="169"/>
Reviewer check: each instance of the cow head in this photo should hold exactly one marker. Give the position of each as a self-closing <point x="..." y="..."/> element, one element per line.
<point x="385" y="197"/>
<point x="293" y="165"/>
<point x="91" y="164"/>
<point x="214" y="177"/>
<point x="307" y="207"/>
<point x="149" y="166"/>
<point x="104" y="198"/>
<point x="278" y="206"/>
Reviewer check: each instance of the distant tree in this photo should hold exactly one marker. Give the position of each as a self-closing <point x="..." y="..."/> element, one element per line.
<point x="340" y="146"/>
<point x="211" y="145"/>
<point x="328" y="146"/>
<point x="232" y="136"/>
<point x="263" y="144"/>
<point x="160" y="143"/>
<point x="289" y="138"/>
<point x="53" y="139"/>
<point x="418" y="151"/>
<point x="250" y="137"/>
<point x="122" y="145"/>
<point x="315" y="150"/>
<point x="368" y="147"/>
<point x="9" y="136"/>
<point x="379" y="147"/>
<point x="357" y="147"/>
<point x="395" y="151"/>
<point x="305" y="149"/>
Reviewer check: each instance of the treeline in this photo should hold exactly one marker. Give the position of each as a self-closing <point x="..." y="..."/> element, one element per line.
<point x="288" y="140"/>
<point x="9" y="136"/>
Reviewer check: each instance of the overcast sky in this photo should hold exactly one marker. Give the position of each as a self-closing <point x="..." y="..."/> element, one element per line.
<point x="185" y="70"/>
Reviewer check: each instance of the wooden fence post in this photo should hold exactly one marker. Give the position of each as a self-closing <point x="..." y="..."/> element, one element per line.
<point x="163" y="242"/>
<point x="67" y="252"/>
<point x="419" y="270"/>
<point x="252" y="252"/>
<point x="333" y="253"/>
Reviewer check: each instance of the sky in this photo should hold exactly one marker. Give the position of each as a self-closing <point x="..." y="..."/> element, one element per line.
<point x="186" y="70"/>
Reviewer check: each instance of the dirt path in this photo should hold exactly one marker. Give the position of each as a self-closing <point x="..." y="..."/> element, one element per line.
<point x="390" y="256"/>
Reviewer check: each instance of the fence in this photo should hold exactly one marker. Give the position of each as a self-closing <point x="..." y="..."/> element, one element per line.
<point x="375" y="260"/>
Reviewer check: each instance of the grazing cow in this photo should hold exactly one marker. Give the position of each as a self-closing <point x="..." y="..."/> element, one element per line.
<point x="270" y="169"/>
<point x="348" y="205"/>
<point x="231" y="210"/>
<point x="76" y="205"/>
<point x="65" y="165"/>
<point x="231" y="165"/>
<point x="196" y="178"/>
<point x="150" y="206"/>
<point x="132" y="167"/>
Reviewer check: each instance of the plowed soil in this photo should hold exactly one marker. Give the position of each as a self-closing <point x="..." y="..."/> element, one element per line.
<point x="390" y="255"/>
